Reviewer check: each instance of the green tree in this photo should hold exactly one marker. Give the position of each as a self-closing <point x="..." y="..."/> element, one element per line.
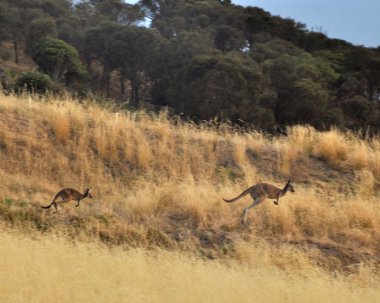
<point x="303" y="83"/>
<point x="223" y="87"/>
<point x="120" y="12"/>
<point x="364" y="63"/>
<point x="55" y="8"/>
<point x="14" y="17"/>
<point x="358" y="109"/>
<point x="59" y="60"/>
<point x="305" y="104"/>
<point x="37" y="29"/>
<point x="96" y="43"/>
<point x="227" y="39"/>
<point x="131" y="52"/>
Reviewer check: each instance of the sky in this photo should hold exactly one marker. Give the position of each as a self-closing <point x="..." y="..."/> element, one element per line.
<point x="356" y="21"/>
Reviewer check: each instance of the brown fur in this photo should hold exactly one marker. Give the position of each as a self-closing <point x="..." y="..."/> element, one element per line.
<point x="259" y="193"/>
<point x="66" y="195"/>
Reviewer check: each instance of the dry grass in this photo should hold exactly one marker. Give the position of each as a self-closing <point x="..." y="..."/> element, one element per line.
<point x="52" y="270"/>
<point x="159" y="183"/>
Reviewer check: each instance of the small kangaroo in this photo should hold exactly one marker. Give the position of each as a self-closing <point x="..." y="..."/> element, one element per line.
<point x="259" y="193"/>
<point x="66" y="195"/>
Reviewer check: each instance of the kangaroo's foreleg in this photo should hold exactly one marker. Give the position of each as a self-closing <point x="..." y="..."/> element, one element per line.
<point x="276" y="201"/>
<point x="255" y="203"/>
<point x="78" y="202"/>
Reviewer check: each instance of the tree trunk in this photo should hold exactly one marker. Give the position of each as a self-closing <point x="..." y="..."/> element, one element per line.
<point x="15" y="47"/>
<point x="135" y="94"/>
<point x="122" y="85"/>
<point x="105" y="82"/>
<point x="88" y="64"/>
<point x="108" y="88"/>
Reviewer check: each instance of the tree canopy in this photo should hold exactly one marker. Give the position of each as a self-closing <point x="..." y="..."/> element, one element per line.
<point x="59" y="60"/>
<point x="205" y="59"/>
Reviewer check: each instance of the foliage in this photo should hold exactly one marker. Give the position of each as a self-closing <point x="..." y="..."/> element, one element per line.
<point x="290" y="67"/>
<point x="222" y="86"/>
<point x="34" y="82"/>
<point x="130" y="52"/>
<point x="358" y="109"/>
<point x="39" y="29"/>
<point x="60" y="60"/>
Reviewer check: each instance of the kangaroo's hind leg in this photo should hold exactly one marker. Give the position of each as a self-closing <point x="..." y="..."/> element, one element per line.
<point x="256" y="202"/>
<point x="55" y="203"/>
<point x="56" y="207"/>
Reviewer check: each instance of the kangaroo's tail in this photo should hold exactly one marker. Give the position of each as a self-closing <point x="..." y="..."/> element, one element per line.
<point x="52" y="202"/>
<point x="246" y="192"/>
<point x="47" y="206"/>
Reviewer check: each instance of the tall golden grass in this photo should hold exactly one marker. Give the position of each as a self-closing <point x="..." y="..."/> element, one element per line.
<point x="53" y="270"/>
<point x="158" y="182"/>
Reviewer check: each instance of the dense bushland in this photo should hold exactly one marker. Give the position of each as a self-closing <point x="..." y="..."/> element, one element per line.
<point x="205" y="59"/>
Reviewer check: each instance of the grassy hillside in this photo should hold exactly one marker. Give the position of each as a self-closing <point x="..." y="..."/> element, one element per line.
<point x="158" y="183"/>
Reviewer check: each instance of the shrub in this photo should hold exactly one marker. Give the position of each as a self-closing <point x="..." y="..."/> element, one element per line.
<point x="34" y="82"/>
<point x="5" y="54"/>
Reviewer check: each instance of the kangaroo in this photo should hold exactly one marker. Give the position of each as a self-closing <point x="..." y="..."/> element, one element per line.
<point x="259" y="193"/>
<point x="66" y="195"/>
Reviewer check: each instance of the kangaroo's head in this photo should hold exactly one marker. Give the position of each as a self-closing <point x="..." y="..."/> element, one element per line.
<point x="290" y="187"/>
<point x="87" y="193"/>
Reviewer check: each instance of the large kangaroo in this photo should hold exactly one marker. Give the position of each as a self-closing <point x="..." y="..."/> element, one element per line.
<point x="67" y="195"/>
<point x="259" y="193"/>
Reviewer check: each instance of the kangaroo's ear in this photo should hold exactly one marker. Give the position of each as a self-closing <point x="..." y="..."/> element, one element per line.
<point x="289" y="181"/>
